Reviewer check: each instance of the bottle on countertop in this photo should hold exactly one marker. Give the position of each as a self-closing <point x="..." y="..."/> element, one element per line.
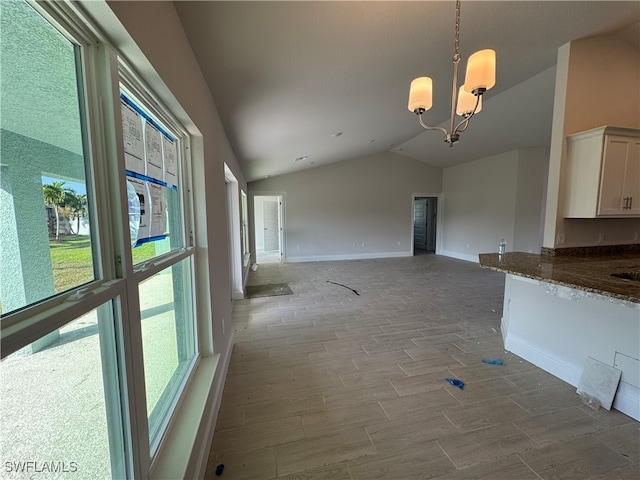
<point x="502" y="247"/>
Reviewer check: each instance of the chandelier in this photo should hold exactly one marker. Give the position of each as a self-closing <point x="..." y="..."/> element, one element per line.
<point x="466" y="101"/>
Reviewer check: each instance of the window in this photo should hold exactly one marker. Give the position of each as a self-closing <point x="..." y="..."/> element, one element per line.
<point x="93" y="395"/>
<point x="45" y="232"/>
<point x="152" y="172"/>
<point x="167" y="339"/>
<point x="55" y="413"/>
<point x="62" y="382"/>
<point x="163" y="268"/>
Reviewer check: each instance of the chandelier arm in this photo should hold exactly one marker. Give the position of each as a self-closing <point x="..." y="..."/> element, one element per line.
<point x="429" y="127"/>
<point x="462" y="126"/>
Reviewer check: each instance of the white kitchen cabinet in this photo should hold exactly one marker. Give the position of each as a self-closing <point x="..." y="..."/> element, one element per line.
<point x="603" y="173"/>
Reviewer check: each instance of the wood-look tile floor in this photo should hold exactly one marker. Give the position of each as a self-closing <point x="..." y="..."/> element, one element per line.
<point x="327" y="384"/>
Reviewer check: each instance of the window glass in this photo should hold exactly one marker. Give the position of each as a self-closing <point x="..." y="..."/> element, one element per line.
<point x="168" y="340"/>
<point x="153" y="180"/>
<point x="44" y="225"/>
<point x="55" y="418"/>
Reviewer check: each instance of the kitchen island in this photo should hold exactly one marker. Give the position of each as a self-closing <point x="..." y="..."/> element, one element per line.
<point x="560" y="309"/>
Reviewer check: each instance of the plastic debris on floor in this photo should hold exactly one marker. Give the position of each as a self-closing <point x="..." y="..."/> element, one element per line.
<point x="455" y="382"/>
<point x="493" y="361"/>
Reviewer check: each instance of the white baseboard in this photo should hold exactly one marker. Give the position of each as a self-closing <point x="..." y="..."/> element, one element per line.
<point x="555" y="366"/>
<point x="367" y="256"/>
<point x="359" y="256"/>
<point x="460" y="256"/>
<point x="237" y="295"/>
<point x="627" y="399"/>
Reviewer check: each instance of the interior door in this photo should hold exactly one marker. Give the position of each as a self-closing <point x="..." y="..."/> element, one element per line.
<point x="420" y="223"/>
<point x="271" y="226"/>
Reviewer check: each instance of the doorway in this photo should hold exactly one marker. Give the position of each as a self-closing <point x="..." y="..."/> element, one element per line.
<point x="268" y="228"/>
<point x="425" y="221"/>
<point x="234" y="243"/>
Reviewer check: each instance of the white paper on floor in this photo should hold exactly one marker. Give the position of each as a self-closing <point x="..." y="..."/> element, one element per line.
<point x="598" y="384"/>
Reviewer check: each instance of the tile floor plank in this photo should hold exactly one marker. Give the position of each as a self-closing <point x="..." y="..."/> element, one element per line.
<point x="583" y="457"/>
<point x="323" y="451"/>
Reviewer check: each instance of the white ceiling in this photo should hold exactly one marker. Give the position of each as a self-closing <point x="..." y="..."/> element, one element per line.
<point x="285" y="76"/>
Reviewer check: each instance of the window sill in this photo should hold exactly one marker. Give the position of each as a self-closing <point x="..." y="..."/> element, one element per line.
<point x="181" y="446"/>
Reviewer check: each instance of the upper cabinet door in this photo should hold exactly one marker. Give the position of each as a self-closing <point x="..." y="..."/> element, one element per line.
<point x="631" y="187"/>
<point x="620" y="181"/>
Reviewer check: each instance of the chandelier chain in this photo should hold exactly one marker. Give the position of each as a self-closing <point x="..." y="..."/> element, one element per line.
<point x="456" y="43"/>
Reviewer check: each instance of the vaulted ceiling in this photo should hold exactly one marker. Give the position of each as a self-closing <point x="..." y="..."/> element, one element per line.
<point x="299" y="84"/>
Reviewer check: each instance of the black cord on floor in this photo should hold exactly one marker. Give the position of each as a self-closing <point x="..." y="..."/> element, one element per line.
<point x="354" y="291"/>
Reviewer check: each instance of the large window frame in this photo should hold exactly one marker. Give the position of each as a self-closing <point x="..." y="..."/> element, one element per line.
<point x="130" y="83"/>
<point x="116" y="278"/>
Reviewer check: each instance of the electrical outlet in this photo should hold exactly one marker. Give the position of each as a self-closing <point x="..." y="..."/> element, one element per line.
<point x="364" y="244"/>
<point x="297" y="247"/>
<point x="636" y="236"/>
<point x="560" y="239"/>
<point x="467" y="245"/>
<point x="398" y="243"/>
<point x="601" y="237"/>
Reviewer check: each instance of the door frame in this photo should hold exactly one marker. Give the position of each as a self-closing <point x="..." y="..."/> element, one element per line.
<point x="439" y="210"/>
<point x="232" y="197"/>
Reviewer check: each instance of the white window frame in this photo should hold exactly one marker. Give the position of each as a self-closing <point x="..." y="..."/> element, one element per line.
<point x="132" y="83"/>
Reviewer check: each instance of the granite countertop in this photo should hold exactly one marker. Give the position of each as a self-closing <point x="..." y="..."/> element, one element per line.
<point x="591" y="274"/>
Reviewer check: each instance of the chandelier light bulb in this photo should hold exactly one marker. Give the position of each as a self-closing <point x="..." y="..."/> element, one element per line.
<point x="467" y="103"/>
<point x="481" y="72"/>
<point x="420" y="94"/>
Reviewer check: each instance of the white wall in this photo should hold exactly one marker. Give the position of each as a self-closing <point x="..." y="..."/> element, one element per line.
<point x="493" y="198"/>
<point x="359" y="208"/>
<point x="596" y="85"/>
<point x="479" y="205"/>
<point x="531" y="190"/>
